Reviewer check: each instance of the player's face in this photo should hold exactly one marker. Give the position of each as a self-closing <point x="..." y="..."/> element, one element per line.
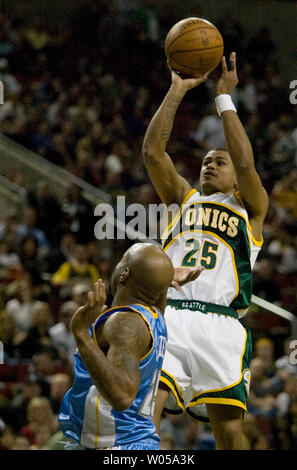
<point x="217" y="173"/>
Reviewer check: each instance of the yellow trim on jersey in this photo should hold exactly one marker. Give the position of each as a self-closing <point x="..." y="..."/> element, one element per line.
<point x="256" y="242"/>
<point x="179" y="212"/>
<point x="94" y="325"/>
<point x="153" y="311"/>
<point x="219" y="401"/>
<point x="229" y="386"/>
<point x="223" y="241"/>
<point x="242" y="309"/>
<point x="97" y="421"/>
<point x="151" y="333"/>
<point x="155" y="315"/>
<point x="169" y="384"/>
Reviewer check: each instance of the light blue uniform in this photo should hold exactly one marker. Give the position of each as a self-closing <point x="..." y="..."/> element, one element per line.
<point x="88" y="418"/>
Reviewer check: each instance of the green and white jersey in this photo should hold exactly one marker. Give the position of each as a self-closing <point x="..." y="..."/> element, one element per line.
<point x="214" y="232"/>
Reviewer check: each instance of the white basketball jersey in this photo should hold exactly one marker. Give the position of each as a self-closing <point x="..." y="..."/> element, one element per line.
<point x="214" y="232"/>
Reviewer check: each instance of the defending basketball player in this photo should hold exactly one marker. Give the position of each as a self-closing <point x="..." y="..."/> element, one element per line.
<point x="120" y="353"/>
<point x="208" y="350"/>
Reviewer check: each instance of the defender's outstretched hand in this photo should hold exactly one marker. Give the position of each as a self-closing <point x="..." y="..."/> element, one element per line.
<point x="184" y="275"/>
<point x="85" y="315"/>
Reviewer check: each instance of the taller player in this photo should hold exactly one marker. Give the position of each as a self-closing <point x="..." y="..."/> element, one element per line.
<point x="208" y="350"/>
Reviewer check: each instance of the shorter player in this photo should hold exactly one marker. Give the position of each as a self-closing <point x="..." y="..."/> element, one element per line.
<point x="120" y="354"/>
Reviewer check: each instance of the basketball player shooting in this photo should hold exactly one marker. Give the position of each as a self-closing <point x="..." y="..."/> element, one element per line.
<point x="120" y="353"/>
<point x="206" y="364"/>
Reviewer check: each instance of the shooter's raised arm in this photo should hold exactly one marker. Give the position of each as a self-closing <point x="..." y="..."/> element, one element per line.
<point x="250" y="187"/>
<point x="170" y="186"/>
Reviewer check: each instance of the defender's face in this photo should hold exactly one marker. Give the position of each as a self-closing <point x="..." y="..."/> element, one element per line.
<point x="217" y="173"/>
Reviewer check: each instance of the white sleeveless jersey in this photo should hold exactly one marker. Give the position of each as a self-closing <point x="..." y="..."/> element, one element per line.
<point x="214" y="232"/>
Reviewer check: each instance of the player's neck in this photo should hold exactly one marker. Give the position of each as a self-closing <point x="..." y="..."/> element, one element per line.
<point x="211" y="192"/>
<point x="125" y="297"/>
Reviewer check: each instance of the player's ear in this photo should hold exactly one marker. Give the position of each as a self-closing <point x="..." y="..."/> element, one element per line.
<point x="124" y="275"/>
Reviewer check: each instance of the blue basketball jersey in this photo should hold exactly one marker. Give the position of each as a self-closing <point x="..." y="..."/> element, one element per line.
<point x="88" y="418"/>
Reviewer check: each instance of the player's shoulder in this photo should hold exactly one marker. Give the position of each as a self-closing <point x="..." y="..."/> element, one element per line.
<point x="125" y="324"/>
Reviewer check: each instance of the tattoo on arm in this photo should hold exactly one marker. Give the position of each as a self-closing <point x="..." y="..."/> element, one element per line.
<point x="170" y="111"/>
<point x="117" y="375"/>
<point x="128" y="337"/>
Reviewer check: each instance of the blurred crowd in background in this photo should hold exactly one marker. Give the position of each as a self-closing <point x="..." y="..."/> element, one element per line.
<point x="81" y="95"/>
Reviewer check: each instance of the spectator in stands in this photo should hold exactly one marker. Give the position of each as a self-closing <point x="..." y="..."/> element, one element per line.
<point x="210" y="131"/>
<point x="13" y="108"/>
<point x="284" y="192"/>
<point x="80" y="213"/>
<point x="8" y="228"/>
<point x="12" y="84"/>
<point x="59" y="385"/>
<point x="7" y="438"/>
<point x="167" y="441"/>
<point x="38" y="336"/>
<point x="21" y="305"/>
<point x="37" y="36"/>
<point x="79" y="292"/>
<point x="264" y="283"/>
<point x="30" y="388"/>
<point x="8" y="336"/>
<point x="191" y="435"/>
<point x="285" y="362"/>
<point x="20" y="443"/>
<point x="77" y="268"/>
<point x="8" y="259"/>
<point x="47" y="207"/>
<point x="64" y="252"/>
<point x="28" y="227"/>
<point x="264" y="349"/>
<point x="39" y="413"/>
<point x="32" y="259"/>
<point x="261" y="401"/>
<point x="60" y="334"/>
<point x="44" y="367"/>
<point x="257" y="440"/>
<point x="289" y="394"/>
<point x="43" y="434"/>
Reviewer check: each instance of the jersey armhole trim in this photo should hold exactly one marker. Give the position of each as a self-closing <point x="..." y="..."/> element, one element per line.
<point x="133" y="310"/>
<point x="190" y="193"/>
<point x="254" y="240"/>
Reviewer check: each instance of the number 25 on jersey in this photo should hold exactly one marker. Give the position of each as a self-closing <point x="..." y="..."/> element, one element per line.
<point x="207" y="254"/>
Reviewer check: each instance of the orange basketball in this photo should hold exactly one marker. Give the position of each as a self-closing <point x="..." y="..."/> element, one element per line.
<point x="194" y="46"/>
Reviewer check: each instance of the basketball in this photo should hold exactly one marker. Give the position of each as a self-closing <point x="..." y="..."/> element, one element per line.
<point x="194" y="46"/>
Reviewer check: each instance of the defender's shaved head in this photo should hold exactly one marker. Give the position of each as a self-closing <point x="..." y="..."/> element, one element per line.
<point x="144" y="269"/>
